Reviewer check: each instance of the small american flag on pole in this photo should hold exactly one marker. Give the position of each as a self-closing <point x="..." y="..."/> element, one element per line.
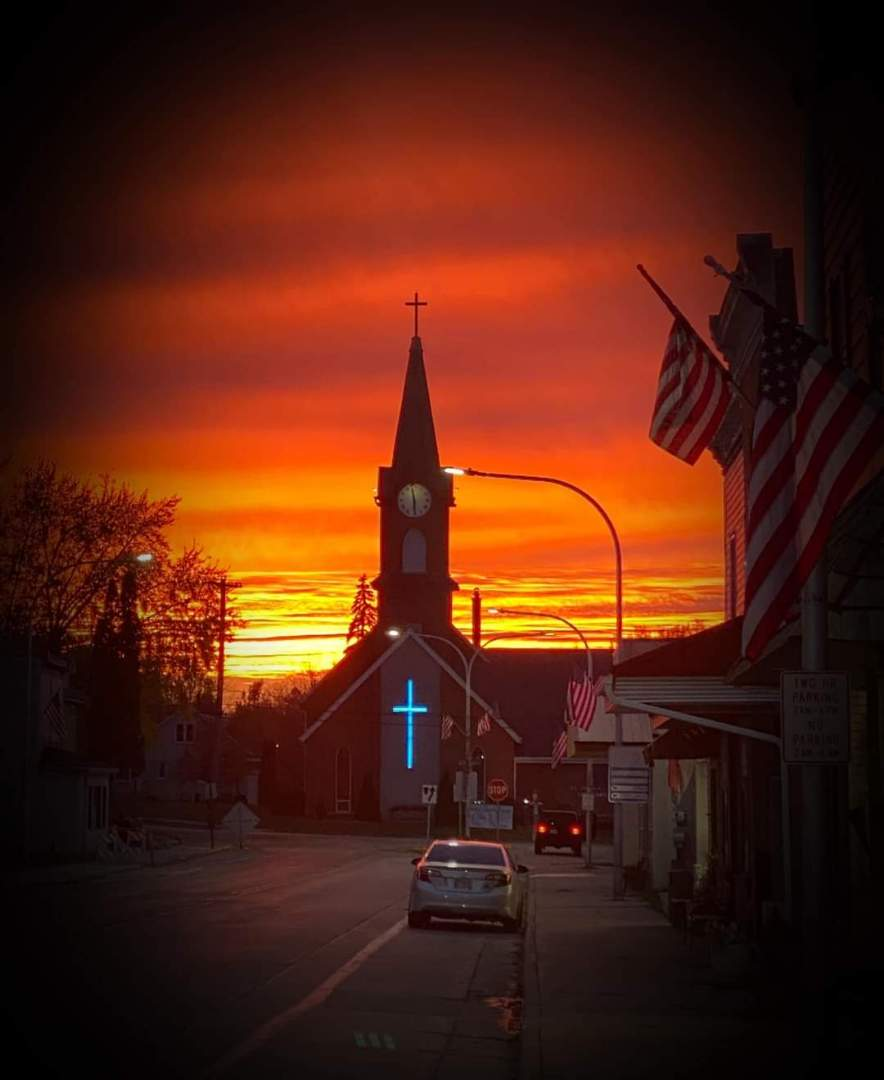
<point x="817" y="426"/>
<point x="560" y="745"/>
<point x="582" y="696"/>
<point x="484" y="725"/>
<point x="54" y="716"/>
<point x="693" y="393"/>
<point x="447" y="726"/>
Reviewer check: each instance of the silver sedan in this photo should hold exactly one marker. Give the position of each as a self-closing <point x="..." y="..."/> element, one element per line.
<point x="468" y="879"/>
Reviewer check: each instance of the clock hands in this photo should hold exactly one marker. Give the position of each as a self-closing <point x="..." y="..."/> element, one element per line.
<point x="413" y="502"/>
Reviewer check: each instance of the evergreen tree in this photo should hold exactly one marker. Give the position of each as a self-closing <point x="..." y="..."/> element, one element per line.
<point x="363" y="611"/>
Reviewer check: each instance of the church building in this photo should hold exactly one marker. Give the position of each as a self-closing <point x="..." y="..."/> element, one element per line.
<point x="390" y="716"/>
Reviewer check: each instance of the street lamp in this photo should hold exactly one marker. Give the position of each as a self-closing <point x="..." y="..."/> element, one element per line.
<point x="395" y="632"/>
<point x="453" y="470"/>
<point x="560" y="618"/>
<point x="550" y="615"/>
<point x="618" y="565"/>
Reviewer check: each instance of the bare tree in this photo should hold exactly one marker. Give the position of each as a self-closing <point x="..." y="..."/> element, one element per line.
<point x="63" y="541"/>
<point x="181" y="625"/>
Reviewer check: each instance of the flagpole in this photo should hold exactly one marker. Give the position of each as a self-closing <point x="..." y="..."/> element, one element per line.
<point x="816" y="913"/>
<point x="680" y="315"/>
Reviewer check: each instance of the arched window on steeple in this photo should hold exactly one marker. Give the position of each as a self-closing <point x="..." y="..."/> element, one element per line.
<point x="414" y="552"/>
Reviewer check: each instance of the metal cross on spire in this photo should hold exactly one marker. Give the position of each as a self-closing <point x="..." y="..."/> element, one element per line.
<point x="415" y="303"/>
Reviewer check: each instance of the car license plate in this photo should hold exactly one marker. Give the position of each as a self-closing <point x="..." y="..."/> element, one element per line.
<point x="553" y="832"/>
<point x="462" y="883"/>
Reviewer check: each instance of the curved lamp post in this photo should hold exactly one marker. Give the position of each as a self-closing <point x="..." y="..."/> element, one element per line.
<point x="618" y="557"/>
<point x="395" y="632"/>
<point x="618" y="889"/>
<point x="560" y="618"/>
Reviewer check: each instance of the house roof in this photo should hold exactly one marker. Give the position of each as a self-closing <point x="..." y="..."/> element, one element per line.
<point x="529" y="687"/>
<point x="710" y="652"/>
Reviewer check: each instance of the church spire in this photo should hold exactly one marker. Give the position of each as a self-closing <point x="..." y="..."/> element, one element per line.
<point x="415" y="446"/>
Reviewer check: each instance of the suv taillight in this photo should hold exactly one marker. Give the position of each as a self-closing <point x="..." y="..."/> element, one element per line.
<point x="575" y="830"/>
<point x="541" y="828"/>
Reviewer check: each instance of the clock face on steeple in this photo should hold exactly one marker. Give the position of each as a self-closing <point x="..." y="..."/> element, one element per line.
<point x="414" y="500"/>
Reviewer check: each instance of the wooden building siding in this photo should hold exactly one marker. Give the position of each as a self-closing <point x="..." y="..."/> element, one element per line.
<point x="847" y="242"/>
<point x="735" y="537"/>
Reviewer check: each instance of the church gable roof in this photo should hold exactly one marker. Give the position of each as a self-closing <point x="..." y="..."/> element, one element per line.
<point x="347" y="683"/>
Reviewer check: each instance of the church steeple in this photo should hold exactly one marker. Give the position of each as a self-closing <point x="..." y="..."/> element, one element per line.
<point x="415" y="497"/>
<point x="415" y="447"/>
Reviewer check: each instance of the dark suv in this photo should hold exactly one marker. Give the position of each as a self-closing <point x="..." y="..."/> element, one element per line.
<point x="558" y="828"/>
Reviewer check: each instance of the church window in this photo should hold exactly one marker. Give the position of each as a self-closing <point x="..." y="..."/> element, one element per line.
<point x="414" y="552"/>
<point x="343" y="781"/>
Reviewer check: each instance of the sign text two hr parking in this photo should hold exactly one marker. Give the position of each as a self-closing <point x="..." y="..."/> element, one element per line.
<point x="814" y="707"/>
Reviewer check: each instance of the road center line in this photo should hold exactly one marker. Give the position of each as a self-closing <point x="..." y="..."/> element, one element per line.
<point x="314" y="998"/>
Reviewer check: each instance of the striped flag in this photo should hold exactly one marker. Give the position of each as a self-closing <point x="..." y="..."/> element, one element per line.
<point x="53" y="716"/>
<point x="447" y="726"/>
<point x="560" y="745"/>
<point x="484" y="725"/>
<point x="581" y="699"/>
<point x="693" y="393"/>
<point x="817" y="426"/>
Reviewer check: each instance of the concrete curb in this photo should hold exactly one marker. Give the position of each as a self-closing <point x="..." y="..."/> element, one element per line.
<point x="530" y="1049"/>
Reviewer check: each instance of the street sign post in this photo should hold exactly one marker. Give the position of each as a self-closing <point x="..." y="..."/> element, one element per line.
<point x="629" y="778"/>
<point x="240" y="820"/>
<point x="497" y="791"/>
<point x="429" y="796"/>
<point x="815" y="711"/>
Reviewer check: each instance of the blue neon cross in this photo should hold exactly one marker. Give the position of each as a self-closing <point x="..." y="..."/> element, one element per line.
<point x="409" y="708"/>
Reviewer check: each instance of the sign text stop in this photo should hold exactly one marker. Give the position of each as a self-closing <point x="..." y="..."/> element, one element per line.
<point x="498" y="790"/>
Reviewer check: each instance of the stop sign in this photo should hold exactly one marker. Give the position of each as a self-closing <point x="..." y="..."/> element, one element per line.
<point x="498" y="790"/>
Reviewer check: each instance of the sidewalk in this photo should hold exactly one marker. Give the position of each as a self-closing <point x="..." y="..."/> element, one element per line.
<point x="94" y="869"/>
<point x="613" y="991"/>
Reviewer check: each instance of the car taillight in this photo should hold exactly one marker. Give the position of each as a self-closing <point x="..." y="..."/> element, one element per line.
<point x="495" y="879"/>
<point x="426" y="874"/>
<point x="543" y="828"/>
<point x="575" y="830"/>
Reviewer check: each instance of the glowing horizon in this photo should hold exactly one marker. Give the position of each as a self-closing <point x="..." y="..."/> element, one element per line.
<point x="213" y="297"/>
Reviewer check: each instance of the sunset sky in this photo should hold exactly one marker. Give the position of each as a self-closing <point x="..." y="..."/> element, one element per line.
<point x="221" y="217"/>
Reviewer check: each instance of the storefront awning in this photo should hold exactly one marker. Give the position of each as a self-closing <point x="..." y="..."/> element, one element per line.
<point x="683" y="742"/>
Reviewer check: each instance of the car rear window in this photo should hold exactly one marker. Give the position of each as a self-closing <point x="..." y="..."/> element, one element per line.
<point x="472" y="854"/>
<point x="562" y="817"/>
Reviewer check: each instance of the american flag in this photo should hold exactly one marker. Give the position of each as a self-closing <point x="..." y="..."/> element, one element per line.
<point x="484" y="725"/>
<point x="560" y="745"/>
<point x="693" y="392"/>
<point x="582" y="696"/>
<point x="817" y="425"/>
<point x="447" y="726"/>
<point x="53" y="714"/>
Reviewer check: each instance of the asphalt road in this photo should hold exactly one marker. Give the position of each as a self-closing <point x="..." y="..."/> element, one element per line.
<point x="288" y="958"/>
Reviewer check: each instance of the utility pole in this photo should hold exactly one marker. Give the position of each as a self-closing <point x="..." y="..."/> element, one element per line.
<point x="225" y="585"/>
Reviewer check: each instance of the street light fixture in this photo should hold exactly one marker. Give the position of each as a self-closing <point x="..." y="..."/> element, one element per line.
<point x="454" y="470"/>
<point x="395" y="632"/>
